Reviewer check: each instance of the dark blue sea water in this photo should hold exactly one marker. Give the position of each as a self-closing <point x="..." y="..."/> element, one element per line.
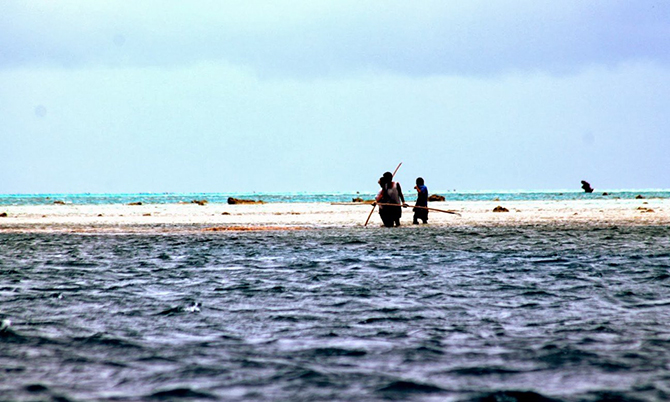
<point x="168" y="198"/>
<point x="350" y="314"/>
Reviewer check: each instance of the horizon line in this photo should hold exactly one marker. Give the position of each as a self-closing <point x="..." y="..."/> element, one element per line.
<point x="452" y="191"/>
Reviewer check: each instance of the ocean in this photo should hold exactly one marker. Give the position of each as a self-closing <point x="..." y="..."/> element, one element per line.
<point x="308" y="197"/>
<point x="466" y="313"/>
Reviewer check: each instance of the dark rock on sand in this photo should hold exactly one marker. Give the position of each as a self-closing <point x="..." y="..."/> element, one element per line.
<point x="362" y="201"/>
<point x="199" y="202"/>
<point x="136" y="203"/>
<point x="3" y="215"/>
<point x="639" y="197"/>
<point x="500" y="209"/>
<point x="436" y="197"/>
<point x="59" y="202"/>
<point x="233" y="201"/>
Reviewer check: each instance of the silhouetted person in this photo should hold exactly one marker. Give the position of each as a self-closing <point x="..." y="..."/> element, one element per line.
<point x="391" y="193"/>
<point x="587" y="187"/>
<point x="421" y="201"/>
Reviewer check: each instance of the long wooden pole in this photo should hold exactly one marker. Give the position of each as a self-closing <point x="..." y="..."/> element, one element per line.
<point x="375" y="205"/>
<point x="419" y="206"/>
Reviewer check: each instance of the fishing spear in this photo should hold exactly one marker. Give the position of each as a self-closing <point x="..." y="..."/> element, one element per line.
<point x="419" y="206"/>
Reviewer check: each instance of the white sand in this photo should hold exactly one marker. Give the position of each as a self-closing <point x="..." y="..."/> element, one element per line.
<point x="170" y="217"/>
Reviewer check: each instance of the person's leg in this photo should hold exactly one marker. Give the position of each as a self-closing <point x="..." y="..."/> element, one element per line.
<point x="386" y="219"/>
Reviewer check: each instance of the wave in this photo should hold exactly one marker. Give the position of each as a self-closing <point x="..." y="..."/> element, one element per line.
<point x="180" y="394"/>
<point x="400" y="388"/>
<point x="513" y="396"/>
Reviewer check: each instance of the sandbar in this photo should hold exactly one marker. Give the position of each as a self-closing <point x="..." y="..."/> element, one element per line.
<point x="291" y="216"/>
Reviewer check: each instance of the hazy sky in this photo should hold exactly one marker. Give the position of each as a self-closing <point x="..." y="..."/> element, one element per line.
<point x="211" y="96"/>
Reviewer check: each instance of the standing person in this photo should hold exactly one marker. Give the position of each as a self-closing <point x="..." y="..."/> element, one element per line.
<point x="391" y="193"/>
<point x="586" y="187"/>
<point x="421" y="201"/>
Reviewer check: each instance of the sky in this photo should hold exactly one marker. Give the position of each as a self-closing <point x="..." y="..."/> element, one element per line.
<point x="265" y="96"/>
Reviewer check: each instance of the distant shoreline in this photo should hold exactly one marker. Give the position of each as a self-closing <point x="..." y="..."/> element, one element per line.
<point x="315" y="197"/>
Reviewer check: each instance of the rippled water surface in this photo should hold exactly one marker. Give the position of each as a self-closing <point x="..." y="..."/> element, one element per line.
<point x="499" y="314"/>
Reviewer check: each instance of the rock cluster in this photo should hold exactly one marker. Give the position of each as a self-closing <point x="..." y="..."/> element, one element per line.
<point x="435" y="197"/>
<point x="500" y="209"/>
<point x="233" y="201"/>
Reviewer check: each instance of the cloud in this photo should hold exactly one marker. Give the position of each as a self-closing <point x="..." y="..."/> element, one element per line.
<point x="304" y="39"/>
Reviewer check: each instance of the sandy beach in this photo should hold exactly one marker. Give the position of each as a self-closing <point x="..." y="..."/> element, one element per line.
<point x="172" y="217"/>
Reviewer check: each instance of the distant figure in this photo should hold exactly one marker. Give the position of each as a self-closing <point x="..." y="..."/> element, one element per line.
<point x="421" y="201"/>
<point x="587" y="187"/>
<point x="390" y="193"/>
